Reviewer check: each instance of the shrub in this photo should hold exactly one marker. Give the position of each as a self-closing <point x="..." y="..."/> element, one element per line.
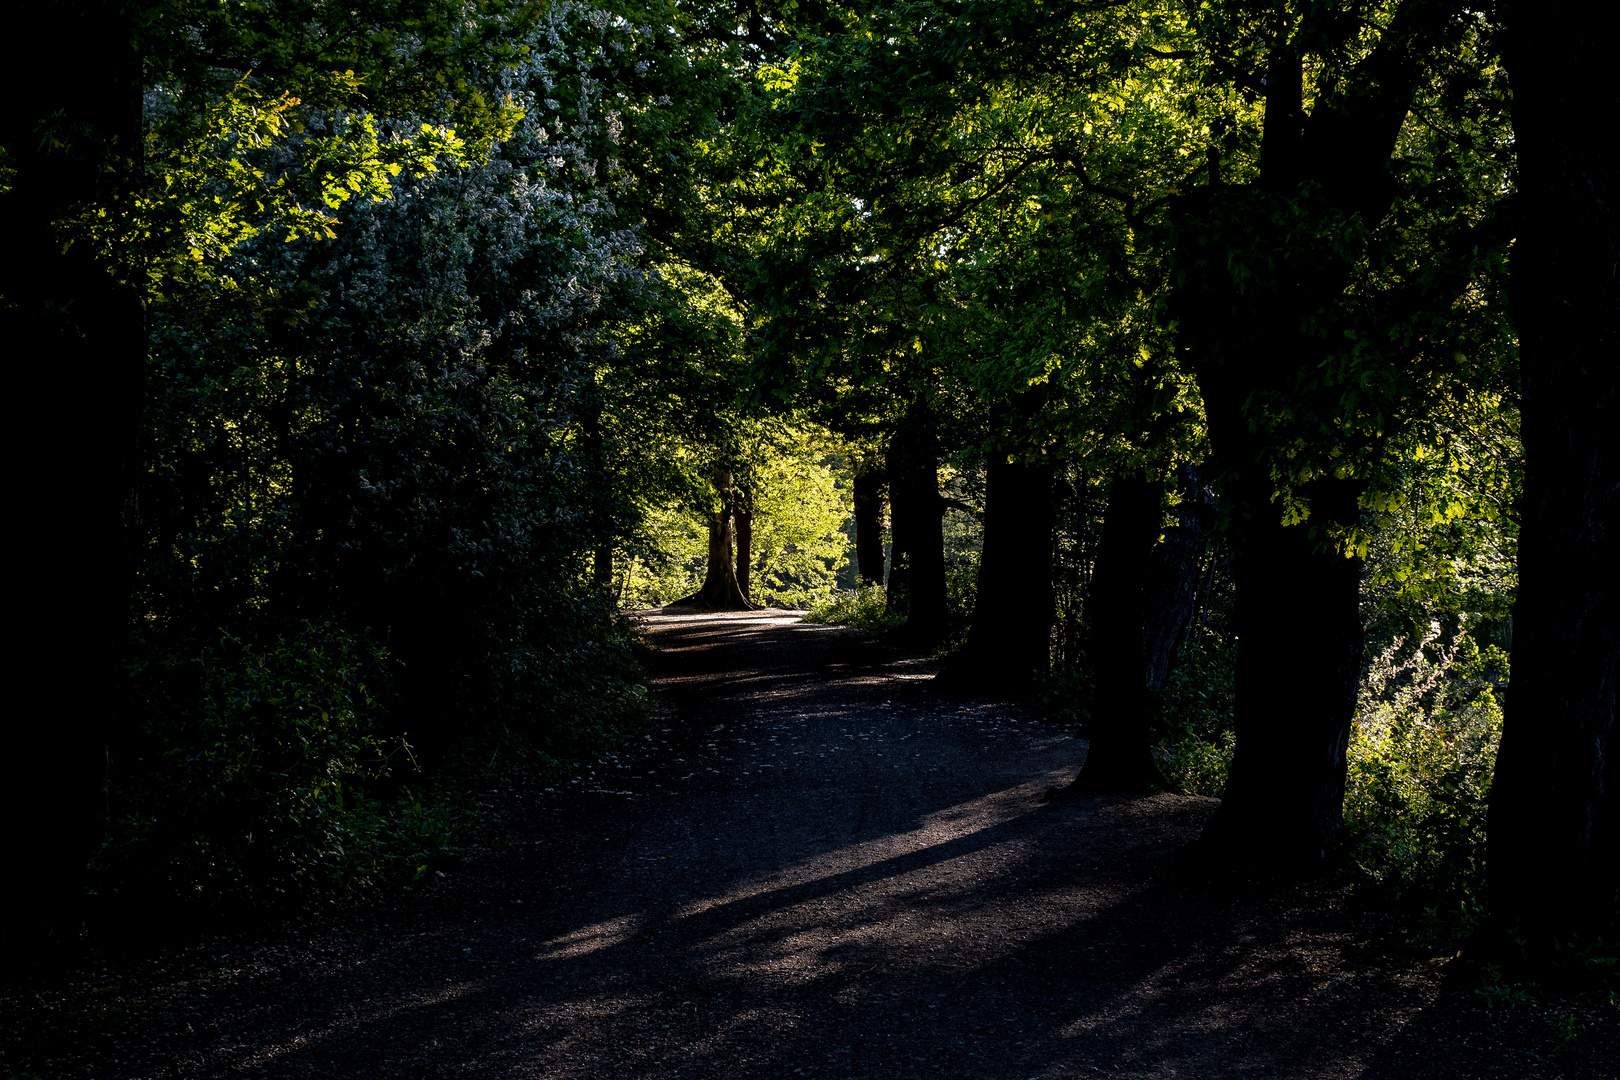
<point x="1421" y="757"/>
<point x="1196" y="765"/>
<point x="866" y="608"/>
<point x="256" y="776"/>
<point x="1194" y="719"/>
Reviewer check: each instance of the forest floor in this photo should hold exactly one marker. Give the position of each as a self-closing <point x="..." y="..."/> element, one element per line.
<point x="817" y="864"/>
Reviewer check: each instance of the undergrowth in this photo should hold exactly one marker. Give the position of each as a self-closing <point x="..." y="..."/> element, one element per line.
<point x="265" y="774"/>
<point x="866" y="608"/>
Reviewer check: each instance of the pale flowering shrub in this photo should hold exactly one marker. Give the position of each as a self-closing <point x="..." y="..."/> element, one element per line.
<point x="1421" y="755"/>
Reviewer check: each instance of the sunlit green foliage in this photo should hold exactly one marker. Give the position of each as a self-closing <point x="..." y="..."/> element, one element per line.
<point x="800" y="504"/>
<point x="1421" y="755"/>
<point x="866" y="609"/>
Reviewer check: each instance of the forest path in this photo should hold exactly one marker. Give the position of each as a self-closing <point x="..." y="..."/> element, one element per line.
<point x="817" y="864"/>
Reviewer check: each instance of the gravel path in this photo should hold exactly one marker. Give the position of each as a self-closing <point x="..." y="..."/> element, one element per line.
<point x="815" y="864"/>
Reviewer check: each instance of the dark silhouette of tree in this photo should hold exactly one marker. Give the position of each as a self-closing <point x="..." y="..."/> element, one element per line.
<point x="1554" y="825"/>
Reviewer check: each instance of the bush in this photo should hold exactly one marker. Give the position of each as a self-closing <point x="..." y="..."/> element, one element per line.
<point x="256" y="776"/>
<point x="1194" y="722"/>
<point x="1421" y="755"/>
<point x="867" y="608"/>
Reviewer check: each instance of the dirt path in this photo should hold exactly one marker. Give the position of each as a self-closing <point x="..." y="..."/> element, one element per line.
<point x="817" y="865"/>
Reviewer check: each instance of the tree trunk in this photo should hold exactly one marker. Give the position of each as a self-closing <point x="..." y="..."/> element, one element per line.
<point x="1554" y="820"/>
<point x="1171" y="588"/>
<point x="1120" y="757"/>
<point x="1250" y="340"/>
<point x="74" y="326"/>
<point x="1299" y="663"/>
<point x="918" y="513"/>
<point x="1009" y="642"/>
<point x="744" y="513"/>
<point x="869" y="526"/>
<point x="721" y="590"/>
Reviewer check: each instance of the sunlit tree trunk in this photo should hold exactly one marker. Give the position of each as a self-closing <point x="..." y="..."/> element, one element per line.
<point x="743" y="512"/>
<point x="1554" y="822"/>
<point x="721" y="591"/>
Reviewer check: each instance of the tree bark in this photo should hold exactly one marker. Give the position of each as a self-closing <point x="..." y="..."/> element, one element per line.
<point x="1298" y="666"/>
<point x="75" y="327"/>
<point x="1009" y="641"/>
<point x="917" y="561"/>
<point x="869" y="486"/>
<point x="1554" y="819"/>
<point x="1298" y="601"/>
<point x="721" y="590"/>
<point x="1120" y="757"/>
<point x="744" y="514"/>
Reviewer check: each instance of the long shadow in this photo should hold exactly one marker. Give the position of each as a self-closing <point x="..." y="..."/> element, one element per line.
<point x="1061" y="1003"/>
<point x="952" y="928"/>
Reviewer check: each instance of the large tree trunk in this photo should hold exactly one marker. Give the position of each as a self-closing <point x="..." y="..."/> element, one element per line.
<point x="869" y="486"/>
<point x="1250" y="341"/>
<point x="1554" y="823"/>
<point x="74" y="327"/>
<point x="721" y="590"/>
<point x="917" y="562"/>
<point x="1009" y="643"/>
<point x="1120" y="757"/>
<point x="1299" y="662"/>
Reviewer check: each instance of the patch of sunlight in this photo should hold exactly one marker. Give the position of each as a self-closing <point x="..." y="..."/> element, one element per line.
<point x="941" y="827"/>
<point x="588" y="939"/>
<point x="357" y="1018"/>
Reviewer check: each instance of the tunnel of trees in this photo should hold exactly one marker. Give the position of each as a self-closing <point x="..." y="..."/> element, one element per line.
<point x="1239" y="377"/>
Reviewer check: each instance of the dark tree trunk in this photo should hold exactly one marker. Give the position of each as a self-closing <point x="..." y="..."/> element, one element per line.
<point x="1554" y="822"/>
<point x="1120" y="757"/>
<point x="74" y="328"/>
<point x="1171" y="588"/>
<point x="744" y="513"/>
<point x="869" y="525"/>
<point x="1009" y="642"/>
<point x="1299" y="625"/>
<point x="917" y="561"/>
<point x="1299" y="662"/>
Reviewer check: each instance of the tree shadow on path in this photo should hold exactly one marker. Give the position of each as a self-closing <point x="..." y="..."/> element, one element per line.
<point x="832" y="870"/>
